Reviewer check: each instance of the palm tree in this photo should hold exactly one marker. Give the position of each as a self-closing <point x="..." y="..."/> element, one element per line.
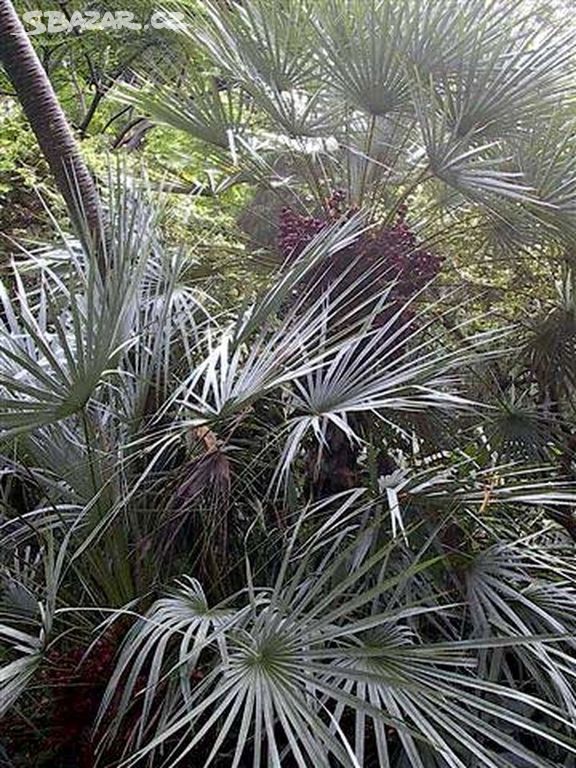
<point x="460" y="155"/>
<point x="423" y="618"/>
<point x="49" y="124"/>
<point x="368" y="98"/>
<point x="169" y="566"/>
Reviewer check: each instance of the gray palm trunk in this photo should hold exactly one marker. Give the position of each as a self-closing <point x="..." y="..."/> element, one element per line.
<point x="49" y="123"/>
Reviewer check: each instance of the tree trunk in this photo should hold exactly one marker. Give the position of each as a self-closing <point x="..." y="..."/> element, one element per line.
<point x="49" y="125"/>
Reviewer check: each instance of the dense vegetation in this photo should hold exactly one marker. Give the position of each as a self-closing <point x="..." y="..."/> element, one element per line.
<point x="288" y="448"/>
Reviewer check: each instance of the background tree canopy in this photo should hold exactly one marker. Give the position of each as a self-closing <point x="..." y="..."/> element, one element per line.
<point x="288" y="451"/>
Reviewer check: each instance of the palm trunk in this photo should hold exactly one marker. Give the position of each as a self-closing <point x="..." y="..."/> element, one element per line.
<point x="49" y="124"/>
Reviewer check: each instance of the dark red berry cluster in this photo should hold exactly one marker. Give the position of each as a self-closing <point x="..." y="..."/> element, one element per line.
<point x="385" y="253"/>
<point x="71" y="685"/>
<point x="76" y="677"/>
<point x="402" y="258"/>
<point x="296" y="231"/>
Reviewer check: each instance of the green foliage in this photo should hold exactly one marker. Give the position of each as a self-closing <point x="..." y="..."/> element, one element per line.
<point x="23" y="177"/>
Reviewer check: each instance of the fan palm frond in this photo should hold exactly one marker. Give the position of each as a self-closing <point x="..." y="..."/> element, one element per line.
<point x="278" y="669"/>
